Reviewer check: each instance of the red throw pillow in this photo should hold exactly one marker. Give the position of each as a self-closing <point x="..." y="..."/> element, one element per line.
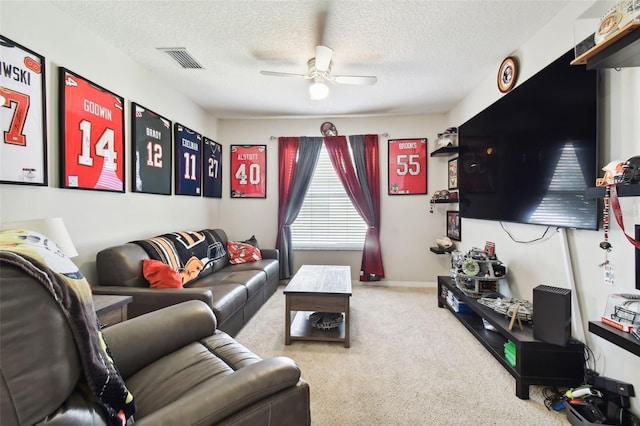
<point x="242" y="252"/>
<point x="160" y="275"/>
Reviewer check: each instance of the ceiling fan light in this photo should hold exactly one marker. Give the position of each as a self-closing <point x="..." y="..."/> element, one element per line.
<point x="318" y="90"/>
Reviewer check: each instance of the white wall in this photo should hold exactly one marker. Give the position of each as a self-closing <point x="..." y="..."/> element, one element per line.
<point x="97" y="220"/>
<point x="407" y="229"/>
<point x="542" y="262"/>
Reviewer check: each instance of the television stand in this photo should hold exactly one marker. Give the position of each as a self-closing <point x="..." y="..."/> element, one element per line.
<point x="536" y="362"/>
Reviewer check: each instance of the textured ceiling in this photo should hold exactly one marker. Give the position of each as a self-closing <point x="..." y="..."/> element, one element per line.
<point x="426" y="54"/>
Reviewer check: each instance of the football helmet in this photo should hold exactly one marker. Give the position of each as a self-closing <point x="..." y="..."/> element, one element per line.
<point x="631" y="170"/>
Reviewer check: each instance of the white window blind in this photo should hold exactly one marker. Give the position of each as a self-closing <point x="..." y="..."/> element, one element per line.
<point x="327" y="220"/>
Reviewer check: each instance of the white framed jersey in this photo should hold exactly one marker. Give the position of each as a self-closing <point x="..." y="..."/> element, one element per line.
<point x="23" y="149"/>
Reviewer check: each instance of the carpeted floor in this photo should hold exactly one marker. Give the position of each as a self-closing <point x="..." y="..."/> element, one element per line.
<point x="410" y="363"/>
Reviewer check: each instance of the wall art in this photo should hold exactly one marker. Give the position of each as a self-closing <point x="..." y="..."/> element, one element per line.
<point x="211" y="169"/>
<point x="454" y="225"/>
<point x="407" y="172"/>
<point x="151" y="151"/>
<point x="91" y="135"/>
<point x="453" y="173"/>
<point x="23" y="153"/>
<point x="248" y="171"/>
<point x="188" y="161"/>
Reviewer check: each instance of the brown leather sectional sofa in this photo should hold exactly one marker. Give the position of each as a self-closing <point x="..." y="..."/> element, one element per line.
<point x="180" y="369"/>
<point x="234" y="292"/>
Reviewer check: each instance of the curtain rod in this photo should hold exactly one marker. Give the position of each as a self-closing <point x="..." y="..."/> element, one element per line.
<point x="275" y="138"/>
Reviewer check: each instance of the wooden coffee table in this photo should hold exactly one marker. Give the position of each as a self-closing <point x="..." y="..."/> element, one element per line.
<point x="318" y="288"/>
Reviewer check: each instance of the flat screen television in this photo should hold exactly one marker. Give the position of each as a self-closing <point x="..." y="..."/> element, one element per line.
<point x="530" y="156"/>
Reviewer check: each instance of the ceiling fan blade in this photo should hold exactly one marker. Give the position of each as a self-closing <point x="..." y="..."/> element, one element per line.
<point x="283" y="74"/>
<point x="359" y="80"/>
<point x="323" y="58"/>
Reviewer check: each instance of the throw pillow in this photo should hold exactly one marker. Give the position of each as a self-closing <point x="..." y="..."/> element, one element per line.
<point x="240" y="252"/>
<point x="160" y="275"/>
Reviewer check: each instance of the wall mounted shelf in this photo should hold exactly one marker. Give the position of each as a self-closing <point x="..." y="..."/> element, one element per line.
<point x="623" y="191"/>
<point x="447" y="150"/>
<point x="620" y="50"/>
<point x="438" y="250"/>
<point x="615" y="336"/>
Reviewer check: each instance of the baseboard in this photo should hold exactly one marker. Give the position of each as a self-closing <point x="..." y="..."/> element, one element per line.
<point x="385" y="283"/>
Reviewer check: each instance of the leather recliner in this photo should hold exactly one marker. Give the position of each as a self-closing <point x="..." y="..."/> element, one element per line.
<point x="180" y="369"/>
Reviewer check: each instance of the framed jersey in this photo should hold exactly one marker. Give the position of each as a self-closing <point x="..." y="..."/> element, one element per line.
<point x="407" y="166"/>
<point x="91" y="135"/>
<point x="188" y="162"/>
<point x="248" y="171"/>
<point x="23" y="149"/>
<point x="211" y="169"/>
<point x="152" y="155"/>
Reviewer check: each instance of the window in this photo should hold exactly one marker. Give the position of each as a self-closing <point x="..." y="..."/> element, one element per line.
<point x="327" y="219"/>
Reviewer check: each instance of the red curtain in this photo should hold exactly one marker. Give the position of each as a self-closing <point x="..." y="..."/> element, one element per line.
<point x="371" y="267"/>
<point x="287" y="154"/>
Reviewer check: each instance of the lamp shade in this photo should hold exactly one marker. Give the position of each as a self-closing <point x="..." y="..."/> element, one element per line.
<point x="52" y="228"/>
<point x="318" y="90"/>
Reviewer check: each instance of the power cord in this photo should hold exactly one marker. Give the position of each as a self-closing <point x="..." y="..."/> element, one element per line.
<point x="554" y="399"/>
<point x="540" y="238"/>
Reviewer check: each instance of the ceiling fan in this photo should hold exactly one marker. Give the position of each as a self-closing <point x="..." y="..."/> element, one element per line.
<point x="320" y="73"/>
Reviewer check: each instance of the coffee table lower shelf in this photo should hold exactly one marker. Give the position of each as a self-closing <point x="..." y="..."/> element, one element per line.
<point x="301" y="329"/>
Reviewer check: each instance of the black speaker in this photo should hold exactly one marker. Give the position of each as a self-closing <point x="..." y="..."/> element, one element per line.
<point x="552" y="314"/>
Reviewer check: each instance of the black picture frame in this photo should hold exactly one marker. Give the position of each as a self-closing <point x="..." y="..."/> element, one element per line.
<point x="454" y="225"/>
<point x="92" y="135"/>
<point x="24" y="144"/>
<point x="452" y="174"/>
<point x="211" y="168"/>
<point x="187" y="161"/>
<point x="151" y="151"/>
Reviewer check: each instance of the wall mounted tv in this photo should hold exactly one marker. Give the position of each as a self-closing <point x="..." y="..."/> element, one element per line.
<point x="529" y="156"/>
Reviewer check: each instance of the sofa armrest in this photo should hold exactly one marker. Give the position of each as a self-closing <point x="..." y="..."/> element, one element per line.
<point x="270" y="253"/>
<point x="140" y="341"/>
<point x="216" y="400"/>
<point x="147" y="299"/>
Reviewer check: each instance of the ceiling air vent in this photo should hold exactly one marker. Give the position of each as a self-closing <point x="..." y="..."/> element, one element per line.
<point x="181" y="56"/>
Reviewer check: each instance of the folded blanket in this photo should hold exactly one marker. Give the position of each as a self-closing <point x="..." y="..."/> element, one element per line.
<point x="191" y="254"/>
<point x="42" y="259"/>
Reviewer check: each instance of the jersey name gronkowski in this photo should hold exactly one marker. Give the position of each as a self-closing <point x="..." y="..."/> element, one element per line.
<point x="21" y="115"/>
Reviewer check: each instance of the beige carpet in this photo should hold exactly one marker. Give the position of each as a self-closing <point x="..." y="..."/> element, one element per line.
<point x="410" y="363"/>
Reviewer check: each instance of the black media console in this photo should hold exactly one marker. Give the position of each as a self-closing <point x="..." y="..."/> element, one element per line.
<point x="537" y="362"/>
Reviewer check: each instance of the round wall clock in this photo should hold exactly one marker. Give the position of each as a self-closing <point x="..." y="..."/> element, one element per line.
<point x="507" y="74"/>
<point x="328" y="129"/>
